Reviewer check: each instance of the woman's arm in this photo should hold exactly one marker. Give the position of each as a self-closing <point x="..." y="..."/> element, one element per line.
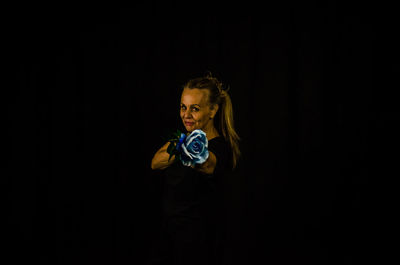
<point x="207" y="167"/>
<point x="160" y="159"/>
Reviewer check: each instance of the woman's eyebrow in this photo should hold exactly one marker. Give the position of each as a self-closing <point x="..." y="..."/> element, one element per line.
<point x="191" y="105"/>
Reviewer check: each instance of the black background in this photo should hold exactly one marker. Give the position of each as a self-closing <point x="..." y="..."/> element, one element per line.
<point x="94" y="90"/>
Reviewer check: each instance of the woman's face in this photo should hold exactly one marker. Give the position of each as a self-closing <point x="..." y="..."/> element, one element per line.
<point x="196" y="112"/>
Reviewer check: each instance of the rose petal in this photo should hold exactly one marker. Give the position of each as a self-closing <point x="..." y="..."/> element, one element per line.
<point x="185" y="151"/>
<point x="202" y="159"/>
<point x="190" y="139"/>
<point x="187" y="163"/>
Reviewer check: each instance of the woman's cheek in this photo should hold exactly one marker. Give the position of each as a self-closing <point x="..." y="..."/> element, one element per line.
<point x="196" y="120"/>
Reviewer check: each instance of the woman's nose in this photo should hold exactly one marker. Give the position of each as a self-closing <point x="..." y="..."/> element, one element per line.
<point x="187" y="114"/>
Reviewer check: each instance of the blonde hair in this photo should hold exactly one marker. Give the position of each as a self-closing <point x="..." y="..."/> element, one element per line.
<point x="224" y="117"/>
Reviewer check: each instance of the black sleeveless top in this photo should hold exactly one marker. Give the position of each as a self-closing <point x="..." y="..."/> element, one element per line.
<point x="194" y="195"/>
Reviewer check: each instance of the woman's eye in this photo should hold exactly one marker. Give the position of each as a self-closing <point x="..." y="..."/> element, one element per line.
<point x="195" y="109"/>
<point x="183" y="108"/>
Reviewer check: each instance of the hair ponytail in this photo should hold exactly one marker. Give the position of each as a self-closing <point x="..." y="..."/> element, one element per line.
<point x="224" y="117"/>
<point x="226" y="125"/>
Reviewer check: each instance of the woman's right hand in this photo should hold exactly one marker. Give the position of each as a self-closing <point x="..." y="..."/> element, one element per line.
<point x="161" y="157"/>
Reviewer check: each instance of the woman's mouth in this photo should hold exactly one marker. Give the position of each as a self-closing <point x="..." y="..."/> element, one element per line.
<point x="189" y="123"/>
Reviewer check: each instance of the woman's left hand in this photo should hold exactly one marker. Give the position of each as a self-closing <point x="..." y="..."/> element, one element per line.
<point x="208" y="166"/>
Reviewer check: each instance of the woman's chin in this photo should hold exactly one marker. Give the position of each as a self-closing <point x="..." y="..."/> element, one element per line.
<point x="189" y="129"/>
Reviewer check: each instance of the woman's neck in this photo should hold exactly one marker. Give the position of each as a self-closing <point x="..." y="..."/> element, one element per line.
<point x="211" y="132"/>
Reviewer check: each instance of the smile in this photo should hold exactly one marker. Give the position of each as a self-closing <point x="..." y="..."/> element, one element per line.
<point x="187" y="123"/>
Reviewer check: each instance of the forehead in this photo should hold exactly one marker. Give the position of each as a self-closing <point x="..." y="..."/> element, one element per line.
<point x="194" y="96"/>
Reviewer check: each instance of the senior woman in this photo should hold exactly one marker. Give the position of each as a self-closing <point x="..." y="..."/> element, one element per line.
<point x="193" y="167"/>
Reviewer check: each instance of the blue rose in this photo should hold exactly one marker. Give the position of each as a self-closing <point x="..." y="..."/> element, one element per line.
<point x="180" y="141"/>
<point x="194" y="148"/>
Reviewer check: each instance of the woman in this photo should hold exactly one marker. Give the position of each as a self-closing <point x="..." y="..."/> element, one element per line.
<point x="192" y="203"/>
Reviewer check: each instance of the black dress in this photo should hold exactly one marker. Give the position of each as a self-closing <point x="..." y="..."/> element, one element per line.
<point x="192" y="231"/>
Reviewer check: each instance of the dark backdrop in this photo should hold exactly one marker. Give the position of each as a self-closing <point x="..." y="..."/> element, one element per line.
<point x="95" y="89"/>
